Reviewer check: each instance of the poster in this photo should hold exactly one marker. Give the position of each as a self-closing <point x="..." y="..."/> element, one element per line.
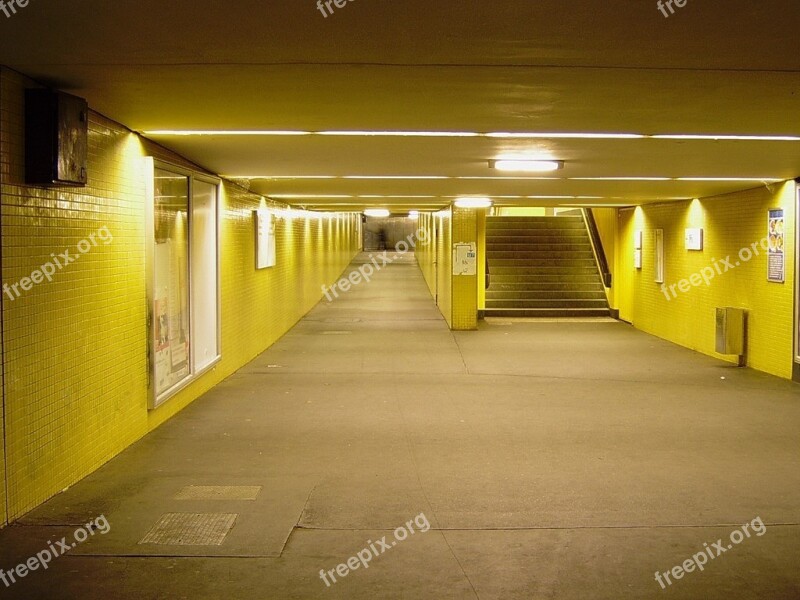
<point x="659" y="256"/>
<point x="465" y="259"/>
<point x="776" y="238"/>
<point x="265" y="239"/>
<point x="694" y="239"/>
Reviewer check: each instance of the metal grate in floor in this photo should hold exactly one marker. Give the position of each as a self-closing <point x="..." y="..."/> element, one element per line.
<point x="191" y="529"/>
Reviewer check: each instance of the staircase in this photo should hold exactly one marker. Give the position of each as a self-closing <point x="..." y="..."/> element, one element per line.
<point x="542" y="267"/>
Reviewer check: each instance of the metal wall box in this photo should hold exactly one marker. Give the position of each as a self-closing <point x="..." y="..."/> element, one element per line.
<point x="730" y="331"/>
<point x="56" y="138"/>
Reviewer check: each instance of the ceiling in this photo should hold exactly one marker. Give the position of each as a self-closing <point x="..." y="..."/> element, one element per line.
<point x="515" y="66"/>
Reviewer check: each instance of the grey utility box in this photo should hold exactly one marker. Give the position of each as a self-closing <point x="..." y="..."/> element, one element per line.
<point x="730" y="331"/>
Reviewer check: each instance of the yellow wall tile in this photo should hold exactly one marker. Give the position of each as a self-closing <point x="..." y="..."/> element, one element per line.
<point x="730" y="222"/>
<point x="75" y="349"/>
<point x="464" y="287"/>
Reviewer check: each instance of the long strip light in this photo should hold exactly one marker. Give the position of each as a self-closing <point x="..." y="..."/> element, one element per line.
<point x="473" y="134"/>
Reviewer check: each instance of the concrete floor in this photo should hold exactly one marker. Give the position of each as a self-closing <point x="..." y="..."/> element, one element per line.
<point x="552" y="460"/>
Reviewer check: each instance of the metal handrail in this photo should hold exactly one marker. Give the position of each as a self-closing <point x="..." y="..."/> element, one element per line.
<point x="597" y="246"/>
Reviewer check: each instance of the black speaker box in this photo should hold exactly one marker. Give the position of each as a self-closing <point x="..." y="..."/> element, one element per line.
<point x="56" y="138"/>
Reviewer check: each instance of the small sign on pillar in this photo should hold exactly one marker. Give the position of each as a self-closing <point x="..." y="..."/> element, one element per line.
<point x="465" y="258"/>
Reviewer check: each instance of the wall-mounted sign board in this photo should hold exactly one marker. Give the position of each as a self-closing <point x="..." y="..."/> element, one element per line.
<point x="694" y="239"/>
<point x="265" y="239"/>
<point x="659" y="255"/>
<point x="777" y="252"/>
<point x="465" y="258"/>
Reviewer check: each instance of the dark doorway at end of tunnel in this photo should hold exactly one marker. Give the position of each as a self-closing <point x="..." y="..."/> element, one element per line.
<point x="384" y="233"/>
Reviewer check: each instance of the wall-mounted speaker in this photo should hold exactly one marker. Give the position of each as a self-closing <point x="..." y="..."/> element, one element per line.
<point x="56" y="138"/>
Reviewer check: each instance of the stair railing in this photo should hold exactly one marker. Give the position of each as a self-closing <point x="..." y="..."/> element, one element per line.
<point x="597" y="246"/>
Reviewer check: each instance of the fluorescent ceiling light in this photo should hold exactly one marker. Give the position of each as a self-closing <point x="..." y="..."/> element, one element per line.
<point x="743" y="179"/>
<point x="566" y="197"/>
<point x="620" y="178"/>
<point x="377" y="212"/>
<point x="394" y="197"/>
<point x="441" y="134"/>
<point x="413" y="215"/>
<point x="580" y="136"/>
<point x="279" y="177"/>
<point x="530" y="166"/>
<point x="610" y="205"/>
<point x="244" y="132"/>
<point x="474" y="134"/>
<point x="740" y="138"/>
<point x="510" y="178"/>
<point x="473" y="203"/>
<point x="411" y="177"/>
<point x="307" y="196"/>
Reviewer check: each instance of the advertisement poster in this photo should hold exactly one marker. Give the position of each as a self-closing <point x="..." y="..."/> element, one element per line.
<point x="777" y="255"/>
<point x="265" y="239"/>
<point x="659" y="254"/>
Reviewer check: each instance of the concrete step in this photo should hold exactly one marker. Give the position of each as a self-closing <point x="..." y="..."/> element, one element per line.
<point x="544" y="253"/>
<point x="528" y="221"/>
<point x="536" y="232"/>
<point x="552" y="313"/>
<point x="543" y="274"/>
<point x="492" y="294"/>
<point x="562" y="262"/>
<point x="590" y="285"/>
<point x="535" y="218"/>
<point x="547" y="303"/>
<point x="538" y="244"/>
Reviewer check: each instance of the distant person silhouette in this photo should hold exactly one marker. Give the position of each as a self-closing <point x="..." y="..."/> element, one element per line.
<point x="382" y="239"/>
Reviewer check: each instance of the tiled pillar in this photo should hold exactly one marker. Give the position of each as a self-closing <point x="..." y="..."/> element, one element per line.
<point x="464" y="303"/>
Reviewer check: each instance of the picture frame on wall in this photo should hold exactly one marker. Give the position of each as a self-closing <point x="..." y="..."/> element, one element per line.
<point x="659" y="255"/>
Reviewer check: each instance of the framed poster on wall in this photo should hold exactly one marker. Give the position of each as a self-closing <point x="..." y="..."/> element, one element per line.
<point x="777" y="251"/>
<point x="265" y="239"/>
<point x="659" y="255"/>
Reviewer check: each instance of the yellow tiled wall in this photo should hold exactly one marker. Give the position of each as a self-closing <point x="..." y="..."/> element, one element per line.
<point x="434" y="258"/>
<point x="464" y="287"/>
<point x="75" y="349"/>
<point x="426" y="253"/>
<point x="457" y="297"/>
<point x="481" y="283"/>
<point x="3" y="497"/>
<point x="444" y="271"/>
<point x="4" y="173"/>
<point x="730" y="223"/>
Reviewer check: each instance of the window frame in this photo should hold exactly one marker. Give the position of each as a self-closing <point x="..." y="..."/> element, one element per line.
<point x="157" y="400"/>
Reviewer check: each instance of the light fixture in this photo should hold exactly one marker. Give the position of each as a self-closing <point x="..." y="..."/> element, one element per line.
<point x="379" y="213"/>
<point x="728" y="138"/>
<point x="567" y="136"/>
<point x="473" y="203"/>
<point x="620" y="178"/>
<point x="439" y="134"/>
<point x="510" y="135"/>
<point x="413" y="215"/>
<point x="526" y="165"/>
